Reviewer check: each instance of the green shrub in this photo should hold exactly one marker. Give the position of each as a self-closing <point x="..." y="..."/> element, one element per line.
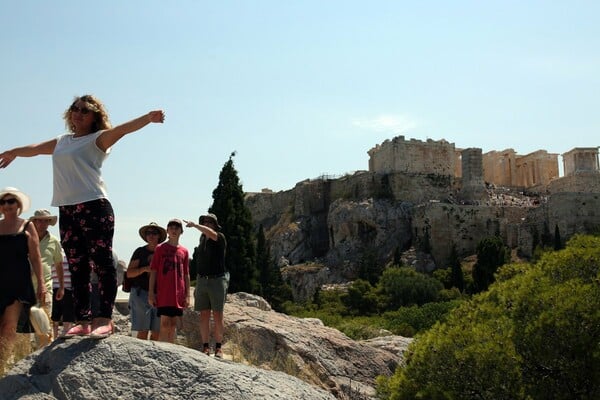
<point x="404" y="287"/>
<point x="418" y="318"/>
<point x="535" y="334"/>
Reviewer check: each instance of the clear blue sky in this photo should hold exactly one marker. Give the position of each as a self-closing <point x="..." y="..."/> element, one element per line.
<point x="297" y="88"/>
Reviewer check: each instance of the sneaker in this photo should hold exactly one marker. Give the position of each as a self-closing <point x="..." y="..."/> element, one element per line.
<point x="78" y="330"/>
<point x="103" y="331"/>
<point x="219" y="353"/>
<point x="206" y="351"/>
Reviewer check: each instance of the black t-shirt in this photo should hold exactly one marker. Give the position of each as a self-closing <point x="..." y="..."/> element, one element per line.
<point x="209" y="255"/>
<point x="144" y="255"/>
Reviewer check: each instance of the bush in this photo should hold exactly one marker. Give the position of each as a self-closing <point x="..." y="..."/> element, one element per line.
<point x="417" y="318"/>
<point x="404" y="287"/>
<point x="360" y="299"/>
<point x="532" y="335"/>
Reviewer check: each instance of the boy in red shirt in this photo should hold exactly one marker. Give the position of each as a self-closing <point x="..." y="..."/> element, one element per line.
<point x="169" y="287"/>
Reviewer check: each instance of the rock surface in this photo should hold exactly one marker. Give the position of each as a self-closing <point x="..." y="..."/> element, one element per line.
<point x="335" y="222"/>
<point x="121" y="367"/>
<point x="302" y="347"/>
<point x="268" y="355"/>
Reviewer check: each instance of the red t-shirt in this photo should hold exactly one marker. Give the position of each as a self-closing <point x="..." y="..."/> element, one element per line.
<point x="172" y="267"/>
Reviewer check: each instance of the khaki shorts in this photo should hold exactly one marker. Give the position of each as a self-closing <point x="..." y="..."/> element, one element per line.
<point x="210" y="293"/>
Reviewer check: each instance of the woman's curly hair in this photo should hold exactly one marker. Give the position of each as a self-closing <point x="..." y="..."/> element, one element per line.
<point x="101" y="120"/>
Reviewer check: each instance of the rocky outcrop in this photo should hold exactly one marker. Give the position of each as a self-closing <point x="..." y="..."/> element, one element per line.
<point x="334" y="222"/>
<point x="302" y="347"/>
<point x="267" y="355"/>
<point x="121" y="367"/>
<point x="366" y="225"/>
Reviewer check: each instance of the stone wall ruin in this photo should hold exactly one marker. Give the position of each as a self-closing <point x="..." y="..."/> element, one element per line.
<point x="501" y="168"/>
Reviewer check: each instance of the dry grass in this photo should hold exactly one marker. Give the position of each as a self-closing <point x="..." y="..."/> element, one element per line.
<point x="20" y="349"/>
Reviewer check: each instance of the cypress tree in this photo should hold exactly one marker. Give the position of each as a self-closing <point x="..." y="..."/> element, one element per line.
<point x="457" y="278"/>
<point x="236" y="220"/>
<point x="397" y="257"/>
<point x="263" y="264"/>
<point x="491" y="254"/>
<point x="546" y="236"/>
<point x="557" y="241"/>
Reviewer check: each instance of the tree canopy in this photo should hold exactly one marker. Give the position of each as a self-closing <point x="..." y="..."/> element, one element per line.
<point x="236" y="220"/>
<point x="535" y="334"/>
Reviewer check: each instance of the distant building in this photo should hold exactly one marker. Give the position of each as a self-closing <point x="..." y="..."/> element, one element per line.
<point x="501" y="168"/>
<point x="581" y="159"/>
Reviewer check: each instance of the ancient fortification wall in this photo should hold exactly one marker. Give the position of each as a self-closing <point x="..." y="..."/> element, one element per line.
<point x="501" y="168"/>
<point x="582" y="182"/>
<point x="570" y="212"/>
<point x="413" y="156"/>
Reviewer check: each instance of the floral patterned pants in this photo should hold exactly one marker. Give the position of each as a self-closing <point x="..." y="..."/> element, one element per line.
<point x="86" y="233"/>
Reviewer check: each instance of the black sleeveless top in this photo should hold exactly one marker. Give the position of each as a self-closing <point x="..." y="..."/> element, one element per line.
<point x="209" y="256"/>
<point x="15" y="276"/>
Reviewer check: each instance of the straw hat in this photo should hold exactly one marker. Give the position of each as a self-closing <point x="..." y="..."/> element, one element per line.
<point x="211" y="217"/>
<point x="22" y="197"/>
<point x="44" y="214"/>
<point x="162" y="233"/>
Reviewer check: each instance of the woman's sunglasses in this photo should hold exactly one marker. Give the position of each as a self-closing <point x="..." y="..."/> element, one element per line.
<point x="81" y="110"/>
<point x="12" y="200"/>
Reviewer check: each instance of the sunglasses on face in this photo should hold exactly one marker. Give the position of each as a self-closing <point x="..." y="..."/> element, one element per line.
<point x="152" y="233"/>
<point x="81" y="110"/>
<point x="8" y="201"/>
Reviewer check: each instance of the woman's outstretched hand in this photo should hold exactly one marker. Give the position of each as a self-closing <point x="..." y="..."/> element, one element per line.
<point x="157" y="116"/>
<point x="6" y="158"/>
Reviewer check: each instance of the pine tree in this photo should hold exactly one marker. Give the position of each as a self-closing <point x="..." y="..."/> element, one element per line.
<point x="236" y="220"/>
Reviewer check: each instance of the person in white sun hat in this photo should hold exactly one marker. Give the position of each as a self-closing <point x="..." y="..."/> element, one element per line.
<point x="19" y="254"/>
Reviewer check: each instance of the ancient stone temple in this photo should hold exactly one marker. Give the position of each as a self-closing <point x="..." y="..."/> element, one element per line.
<point x="507" y="168"/>
<point x="581" y="159"/>
<point x="501" y="168"/>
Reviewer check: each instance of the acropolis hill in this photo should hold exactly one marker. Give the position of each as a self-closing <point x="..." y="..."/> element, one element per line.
<point x="416" y="191"/>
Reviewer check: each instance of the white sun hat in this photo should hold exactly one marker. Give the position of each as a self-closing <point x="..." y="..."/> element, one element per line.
<point x="22" y="197"/>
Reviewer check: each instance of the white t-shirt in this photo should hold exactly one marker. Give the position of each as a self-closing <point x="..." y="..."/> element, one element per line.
<point x="76" y="164"/>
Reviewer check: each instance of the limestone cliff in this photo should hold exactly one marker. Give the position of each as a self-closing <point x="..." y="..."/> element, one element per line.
<point x="335" y="221"/>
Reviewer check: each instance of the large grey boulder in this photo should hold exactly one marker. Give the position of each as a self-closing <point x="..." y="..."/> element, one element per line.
<point x="301" y="347"/>
<point x="121" y="367"/>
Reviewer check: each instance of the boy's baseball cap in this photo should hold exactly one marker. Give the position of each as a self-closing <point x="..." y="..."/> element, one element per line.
<point x="175" y="221"/>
